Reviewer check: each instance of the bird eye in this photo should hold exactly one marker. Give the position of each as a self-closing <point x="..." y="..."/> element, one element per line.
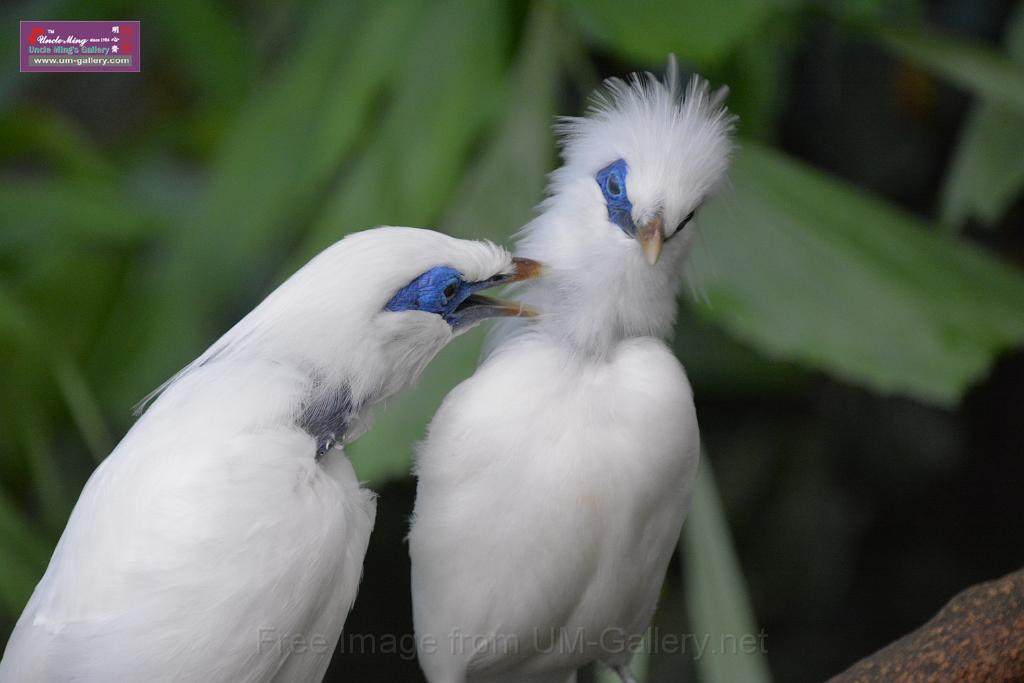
<point x="450" y="290"/>
<point x="613" y="186"/>
<point x="682" y="224"/>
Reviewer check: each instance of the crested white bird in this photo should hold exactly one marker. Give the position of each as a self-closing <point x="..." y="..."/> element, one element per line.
<point x="553" y="483"/>
<point x="223" y="538"/>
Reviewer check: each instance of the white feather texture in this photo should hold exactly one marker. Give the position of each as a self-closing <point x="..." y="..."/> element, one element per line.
<point x="677" y="143"/>
<point x="328" y="317"/>
<point x="212" y="544"/>
<point x="553" y="484"/>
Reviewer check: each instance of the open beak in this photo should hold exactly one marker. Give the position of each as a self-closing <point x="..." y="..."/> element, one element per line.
<point x="477" y="307"/>
<point x="651" y="238"/>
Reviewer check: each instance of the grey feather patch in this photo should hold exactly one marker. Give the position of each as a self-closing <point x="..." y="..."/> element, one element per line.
<point x="325" y="417"/>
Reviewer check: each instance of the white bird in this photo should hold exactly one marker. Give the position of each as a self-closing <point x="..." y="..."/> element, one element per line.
<point x="223" y="538"/>
<point x="553" y="483"/>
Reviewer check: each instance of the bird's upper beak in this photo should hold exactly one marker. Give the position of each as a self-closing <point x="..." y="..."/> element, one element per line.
<point x="651" y="237"/>
<point x="477" y="307"/>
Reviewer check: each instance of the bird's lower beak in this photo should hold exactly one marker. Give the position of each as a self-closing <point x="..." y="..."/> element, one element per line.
<point x="651" y="238"/>
<point x="477" y="307"/>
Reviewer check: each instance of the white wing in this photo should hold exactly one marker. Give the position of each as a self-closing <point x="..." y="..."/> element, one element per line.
<point x="551" y="494"/>
<point x="209" y="546"/>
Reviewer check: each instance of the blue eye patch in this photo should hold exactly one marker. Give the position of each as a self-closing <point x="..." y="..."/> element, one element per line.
<point x="612" y="181"/>
<point x="439" y="290"/>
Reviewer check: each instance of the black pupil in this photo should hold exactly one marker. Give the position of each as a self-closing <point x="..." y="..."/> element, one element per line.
<point x="449" y="291"/>
<point x="613" y="186"/>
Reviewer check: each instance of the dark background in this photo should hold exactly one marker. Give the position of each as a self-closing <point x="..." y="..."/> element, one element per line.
<point x="854" y="327"/>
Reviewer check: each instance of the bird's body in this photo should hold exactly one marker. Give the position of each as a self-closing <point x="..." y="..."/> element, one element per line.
<point x="569" y="515"/>
<point x="203" y="546"/>
<point x="223" y="539"/>
<point x="553" y="483"/>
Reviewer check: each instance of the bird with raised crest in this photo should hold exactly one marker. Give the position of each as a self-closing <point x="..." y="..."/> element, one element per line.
<point x="553" y="483"/>
<point x="223" y="538"/>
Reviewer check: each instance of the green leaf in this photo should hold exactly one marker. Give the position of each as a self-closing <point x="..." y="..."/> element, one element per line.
<point x="721" y="618"/>
<point x="700" y="32"/>
<point x="976" y="68"/>
<point x="20" y="327"/>
<point x="987" y="171"/>
<point x="53" y="500"/>
<point x="82" y="404"/>
<point x="807" y="268"/>
<point x="757" y="73"/>
<point x="521" y="152"/>
<point x="50" y="140"/>
<point x="496" y="196"/>
<point x="15" y="321"/>
<point x="443" y="98"/>
<point x="23" y="556"/>
<point x="718" y="365"/>
<point x="201" y="27"/>
<point x="35" y="213"/>
<point x="293" y="133"/>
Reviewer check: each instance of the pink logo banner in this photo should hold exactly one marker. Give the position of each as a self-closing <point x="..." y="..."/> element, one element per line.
<point x="80" y="46"/>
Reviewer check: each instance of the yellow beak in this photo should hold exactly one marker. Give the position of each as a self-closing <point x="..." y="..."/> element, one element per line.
<point x="651" y="238"/>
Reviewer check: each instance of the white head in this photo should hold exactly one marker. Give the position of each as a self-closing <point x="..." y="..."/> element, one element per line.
<point x="621" y="210"/>
<point x="369" y="312"/>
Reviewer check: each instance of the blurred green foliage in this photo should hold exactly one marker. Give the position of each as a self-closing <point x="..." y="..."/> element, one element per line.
<point x="141" y="214"/>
